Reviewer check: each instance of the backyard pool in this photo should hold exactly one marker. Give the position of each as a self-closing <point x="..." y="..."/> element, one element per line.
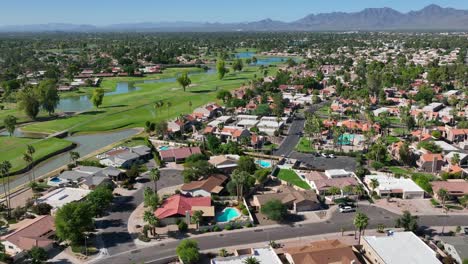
<point x="227" y="215"/>
<point x="263" y="163"/>
<point x="346" y="139"/>
<point x="164" y="148"/>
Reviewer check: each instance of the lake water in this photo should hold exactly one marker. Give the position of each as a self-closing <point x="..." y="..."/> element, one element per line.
<point x="82" y="103"/>
<point x="86" y="144"/>
<point x="260" y="61"/>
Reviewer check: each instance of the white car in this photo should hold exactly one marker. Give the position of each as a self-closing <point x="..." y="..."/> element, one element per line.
<point x="347" y="209"/>
<point x="331" y="156"/>
<point x="324" y="155"/>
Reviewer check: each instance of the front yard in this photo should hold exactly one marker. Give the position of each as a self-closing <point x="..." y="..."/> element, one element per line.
<point x="305" y="146"/>
<point x="291" y="177"/>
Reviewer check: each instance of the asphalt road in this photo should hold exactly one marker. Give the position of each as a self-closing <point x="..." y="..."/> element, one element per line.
<point x="161" y="253"/>
<point x="321" y="163"/>
<point x="291" y="140"/>
<point x="113" y="236"/>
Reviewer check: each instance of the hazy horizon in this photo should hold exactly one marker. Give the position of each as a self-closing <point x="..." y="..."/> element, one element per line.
<point x="102" y="13"/>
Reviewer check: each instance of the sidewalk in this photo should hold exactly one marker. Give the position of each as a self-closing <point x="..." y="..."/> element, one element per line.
<point x="415" y="207"/>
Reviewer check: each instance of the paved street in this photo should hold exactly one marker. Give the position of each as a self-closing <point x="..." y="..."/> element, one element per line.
<point x="160" y="253"/>
<point x="291" y="140"/>
<point x="114" y="236"/>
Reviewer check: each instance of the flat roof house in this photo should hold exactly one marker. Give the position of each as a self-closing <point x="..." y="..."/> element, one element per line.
<point x="125" y="157"/>
<point x="265" y="255"/>
<point x="211" y="185"/>
<point x="62" y="196"/>
<point x="396" y="187"/>
<point x="338" y="173"/>
<point x="35" y="232"/>
<point x="296" y="201"/>
<point x="322" y="252"/>
<point x="225" y="163"/>
<point x="401" y="247"/>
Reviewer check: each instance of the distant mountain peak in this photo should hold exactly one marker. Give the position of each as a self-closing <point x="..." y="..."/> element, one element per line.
<point x="431" y="17"/>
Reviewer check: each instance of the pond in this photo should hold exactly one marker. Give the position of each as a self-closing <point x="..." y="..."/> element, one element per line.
<point x="82" y="103"/>
<point x="262" y="60"/>
<point x="86" y="144"/>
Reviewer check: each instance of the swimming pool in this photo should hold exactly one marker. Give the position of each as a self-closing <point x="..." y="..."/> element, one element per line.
<point x="263" y="163"/>
<point x="164" y="148"/>
<point x="55" y="180"/>
<point x="346" y="139"/>
<point x="227" y="215"/>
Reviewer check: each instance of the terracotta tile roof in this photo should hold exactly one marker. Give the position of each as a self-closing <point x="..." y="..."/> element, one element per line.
<point x="456" y="186"/>
<point x="179" y="153"/>
<point x="335" y="182"/>
<point x="429" y="157"/>
<point x="177" y="205"/>
<point x="34" y="234"/>
<point x="321" y="252"/>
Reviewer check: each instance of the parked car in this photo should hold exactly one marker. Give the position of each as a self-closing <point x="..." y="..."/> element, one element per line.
<point x="343" y="205"/>
<point x="347" y="209"/>
<point x="331" y="156"/>
<point x="317" y="154"/>
<point x="324" y="155"/>
<point x="466" y="230"/>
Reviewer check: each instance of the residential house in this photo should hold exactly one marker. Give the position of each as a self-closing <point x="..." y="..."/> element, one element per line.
<point x="62" y="196"/>
<point x="321" y="183"/>
<point x="231" y="133"/>
<point x="37" y="232"/>
<point x="454" y="188"/>
<point x="182" y="207"/>
<point x="400" y="247"/>
<point x="456" y="246"/>
<point x="322" y="252"/>
<point x="224" y="163"/>
<point x="212" y="184"/>
<point x="178" y="155"/>
<point x="207" y="111"/>
<point x="87" y="177"/>
<point x="125" y="157"/>
<point x="295" y="200"/>
<point x="395" y="187"/>
<point x="265" y="255"/>
<point x="430" y="162"/>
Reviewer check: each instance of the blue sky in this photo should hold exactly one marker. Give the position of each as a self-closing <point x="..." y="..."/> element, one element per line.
<point x="103" y="12"/>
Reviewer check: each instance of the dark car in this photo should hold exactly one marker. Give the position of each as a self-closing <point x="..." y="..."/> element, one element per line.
<point x="466" y="230"/>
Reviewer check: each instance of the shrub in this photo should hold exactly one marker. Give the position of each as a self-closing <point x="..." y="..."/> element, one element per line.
<point x="216" y="228"/>
<point x="245" y="211"/>
<point x="249" y="225"/>
<point x="42" y="209"/>
<point x="228" y="227"/>
<point x="182" y="227"/>
<point x="144" y="238"/>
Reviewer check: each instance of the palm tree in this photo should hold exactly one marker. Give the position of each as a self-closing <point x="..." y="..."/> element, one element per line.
<point x="359" y="191"/>
<point x="74" y="156"/>
<point x="28" y="159"/>
<point x="239" y="178"/>
<point x="374" y="184"/>
<point x="197" y="217"/>
<point x="251" y="260"/>
<point x="31" y="150"/>
<point x="334" y="191"/>
<point x="5" y="167"/>
<point x="168" y="104"/>
<point x="443" y="197"/>
<point x="152" y="220"/>
<point x="154" y="176"/>
<point x="360" y="222"/>
<point x="190" y="106"/>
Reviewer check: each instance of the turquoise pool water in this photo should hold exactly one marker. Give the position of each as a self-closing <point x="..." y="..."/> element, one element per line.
<point x="55" y="179"/>
<point x="264" y="163"/>
<point x="346" y="139"/>
<point x="227" y="215"/>
<point x="164" y="148"/>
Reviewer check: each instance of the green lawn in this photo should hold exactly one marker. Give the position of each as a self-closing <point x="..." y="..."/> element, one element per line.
<point x="135" y="108"/>
<point x="13" y="148"/>
<point x="291" y="177"/>
<point x="304" y="146"/>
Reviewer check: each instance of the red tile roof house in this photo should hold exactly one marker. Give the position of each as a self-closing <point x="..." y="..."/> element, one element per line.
<point x="430" y="162"/>
<point x="36" y="233"/>
<point x="179" y="207"/>
<point x="178" y="154"/>
<point x="321" y="183"/>
<point x="208" y="111"/>
<point x="235" y="134"/>
<point x="455" y="188"/>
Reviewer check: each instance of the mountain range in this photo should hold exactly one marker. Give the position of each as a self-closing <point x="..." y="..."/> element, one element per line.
<point x="432" y="17"/>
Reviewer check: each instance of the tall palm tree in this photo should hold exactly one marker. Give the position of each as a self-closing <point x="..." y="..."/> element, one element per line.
<point x="239" y="178"/>
<point x="197" y="217"/>
<point x="190" y="106"/>
<point x="443" y="197"/>
<point x="28" y="159"/>
<point x="168" y="104"/>
<point x="374" y="184"/>
<point x="152" y="220"/>
<point x="359" y="191"/>
<point x="360" y="222"/>
<point x="154" y="176"/>
<point x="31" y="150"/>
<point x="5" y="167"/>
